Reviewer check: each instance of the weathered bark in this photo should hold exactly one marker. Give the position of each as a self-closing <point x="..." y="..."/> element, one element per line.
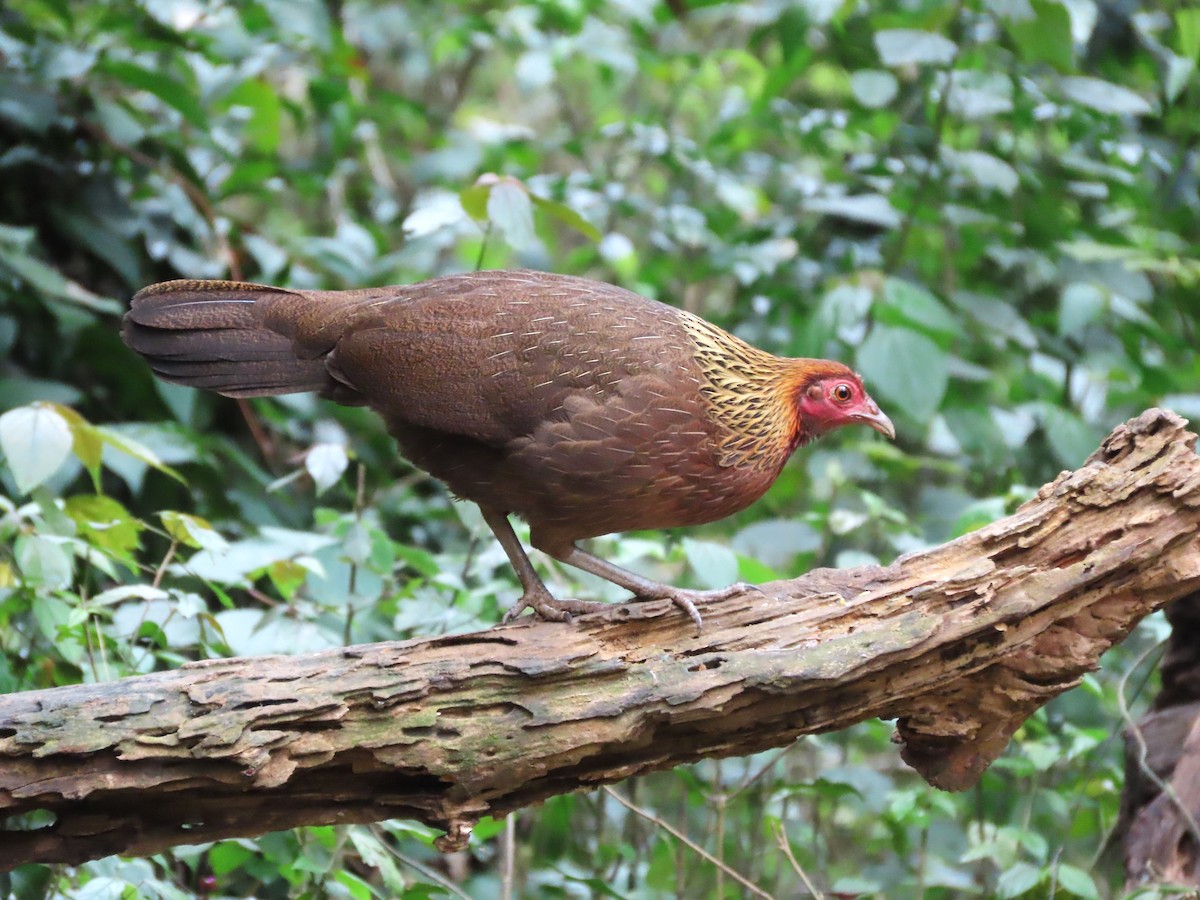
<point x="1160" y="804"/>
<point x="959" y="643"/>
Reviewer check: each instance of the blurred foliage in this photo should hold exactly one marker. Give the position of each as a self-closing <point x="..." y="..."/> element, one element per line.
<point x="989" y="208"/>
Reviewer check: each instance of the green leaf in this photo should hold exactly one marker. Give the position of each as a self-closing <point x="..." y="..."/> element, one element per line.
<point x="43" y="562"/>
<point x="36" y="441"/>
<point x="1046" y="37"/>
<point x="715" y="565"/>
<point x="105" y="523"/>
<point x="1018" y="879"/>
<point x="1071" y="439"/>
<point x="266" y="113"/>
<point x="873" y="209"/>
<point x="1081" y="305"/>
<point x="137" y="450"/>
<point x="874" y="88"/>
<point x="53" y="283"/>
<point x="511" y="211"/>
<point x="906" y="368"/>
<point x="86" y="441"/>
<point x="325" y="463"/>
<point x="287" y="576"/>
<point x="907" y="47"/>
<point x="165" y="87"/>
<point x="474" y="200"/>
<point x="567" y="216"/>
<point x="1078" y="882"/>
<point x="1104" y="96"/>
<point x="192" y="531"/>
<point x="421" y="561"/>
<point x="907" y="303"/>
<point x="1187" y="27"/>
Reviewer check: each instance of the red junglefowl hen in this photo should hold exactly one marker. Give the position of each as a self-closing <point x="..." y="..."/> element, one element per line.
<point x="577" y="405"/>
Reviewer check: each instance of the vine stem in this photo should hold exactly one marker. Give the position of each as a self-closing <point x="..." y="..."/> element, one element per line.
<point x="690" y="844"/>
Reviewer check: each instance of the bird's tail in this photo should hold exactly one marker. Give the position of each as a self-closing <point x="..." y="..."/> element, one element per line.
<point x="224" y="336"/>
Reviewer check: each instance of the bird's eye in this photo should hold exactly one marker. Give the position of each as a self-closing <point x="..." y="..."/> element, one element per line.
<point x="842" y="393"/>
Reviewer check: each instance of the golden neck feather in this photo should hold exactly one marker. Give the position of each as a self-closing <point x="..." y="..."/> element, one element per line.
<point x="751" y="394"/>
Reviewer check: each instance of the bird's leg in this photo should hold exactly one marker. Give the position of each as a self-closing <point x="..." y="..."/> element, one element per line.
<point x="535" y="594"/>
<point x="645" y="588"/>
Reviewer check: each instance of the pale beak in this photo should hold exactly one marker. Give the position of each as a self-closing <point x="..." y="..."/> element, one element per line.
<point x="875" y="417"/>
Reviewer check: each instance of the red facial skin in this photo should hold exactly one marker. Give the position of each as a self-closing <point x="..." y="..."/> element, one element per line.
<point x="833" y="401"/>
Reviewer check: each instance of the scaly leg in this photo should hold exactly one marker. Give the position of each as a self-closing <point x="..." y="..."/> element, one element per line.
<point x="534" y="595"/>
<point x="646" y="588"/>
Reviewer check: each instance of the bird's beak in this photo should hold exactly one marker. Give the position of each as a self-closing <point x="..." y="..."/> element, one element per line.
<point x="876" y="418"/>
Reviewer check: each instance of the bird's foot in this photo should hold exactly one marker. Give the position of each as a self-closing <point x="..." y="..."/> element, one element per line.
<point x="687" y="599"/>
<point x="551" y="609"/>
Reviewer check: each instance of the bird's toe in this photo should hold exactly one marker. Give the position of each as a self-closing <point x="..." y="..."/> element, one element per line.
<point x="552" y="610"/>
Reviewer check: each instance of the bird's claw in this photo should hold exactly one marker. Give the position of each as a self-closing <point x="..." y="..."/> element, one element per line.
<point x="551" y="609"/>
<point x="686" y="599"/>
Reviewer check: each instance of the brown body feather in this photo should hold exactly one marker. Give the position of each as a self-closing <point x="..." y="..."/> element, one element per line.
<point x="580" y="406"/>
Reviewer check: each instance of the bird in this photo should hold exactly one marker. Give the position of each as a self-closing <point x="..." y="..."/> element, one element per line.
<point x="577" y="405"/>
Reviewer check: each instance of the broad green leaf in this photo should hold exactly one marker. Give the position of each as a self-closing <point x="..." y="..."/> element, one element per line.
<point x="1046" y="37"/>
<point x="983" y="169"/>
<point x="1077" y="882"/>
<point x="162" y="85"/>
<point x="474" y="200"/>
<point x="873" y="209"/>
<point x="105" y="523"/>
<point x="1104" y="96"/>
<point x="86" y="441"/>
<point x="192" y="531"/>
<point x="53" y="283"/>
<point x="776" y="542"/>
<point x="1018" y="879"/>
<point x="1081" y="305"/>
<point x="908" y="46"/>
<point x="1179" y="74"/>
<point x="874" y="88"/>
<point x="715" y="565"/>
<point x="511" y="211"/>
<point x="137" y="450"/>
<point x="907" y="302"/>
<point x="567" y="216"/>
<point x="266" y="113"/>
<point x="287" y="576"/>
<point x="422" y="561"/>
<point x="43" y="562"/>
<point x="1071" y="439"/>
<point x="1187" y="29"/>
<point x="905" y="368"/>
<point x="36" y="441"/>
<point x="326" y="462"/>
<point x="124" y="592"/>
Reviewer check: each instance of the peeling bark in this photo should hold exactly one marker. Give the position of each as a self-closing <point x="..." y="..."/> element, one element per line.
<point x="960" y="644"/>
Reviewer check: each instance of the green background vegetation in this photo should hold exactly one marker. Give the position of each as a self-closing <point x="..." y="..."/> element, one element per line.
<point x="989" y="208"/>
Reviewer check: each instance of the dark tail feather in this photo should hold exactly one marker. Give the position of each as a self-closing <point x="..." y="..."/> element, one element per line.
<point x="214" y="335"/>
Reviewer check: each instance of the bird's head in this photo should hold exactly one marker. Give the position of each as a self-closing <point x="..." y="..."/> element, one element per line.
<point x="832" y="396"/>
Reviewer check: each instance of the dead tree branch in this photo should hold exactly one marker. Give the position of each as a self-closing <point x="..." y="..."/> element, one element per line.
<point x="959" y="644"/>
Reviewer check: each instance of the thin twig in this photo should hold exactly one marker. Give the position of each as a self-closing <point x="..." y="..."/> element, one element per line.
<point x="265" y="447"/>
<point x="432" y="874"/>
<point x="508" y="872"/>
<point x="691" y="845"/>
<point x="786" y="846"/>
<point x="166" y="561"/>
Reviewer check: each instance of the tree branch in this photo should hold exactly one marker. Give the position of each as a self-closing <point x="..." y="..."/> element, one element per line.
<point x="959" y="644"/>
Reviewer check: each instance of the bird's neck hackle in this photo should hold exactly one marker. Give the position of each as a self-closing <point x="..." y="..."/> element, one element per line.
<point x="751" y="393"/>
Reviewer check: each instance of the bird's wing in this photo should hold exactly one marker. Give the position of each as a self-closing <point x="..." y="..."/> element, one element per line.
<point x="492" y="356"/>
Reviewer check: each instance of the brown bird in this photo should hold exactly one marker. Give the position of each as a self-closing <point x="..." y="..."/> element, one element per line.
<point x="579" y="406"/>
